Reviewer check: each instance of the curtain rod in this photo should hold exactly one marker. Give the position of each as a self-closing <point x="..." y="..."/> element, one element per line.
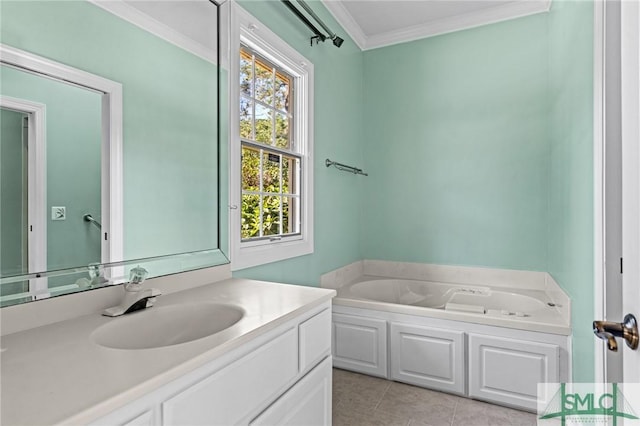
<point x="318" y="35"/>
<point x="337" y="41"/>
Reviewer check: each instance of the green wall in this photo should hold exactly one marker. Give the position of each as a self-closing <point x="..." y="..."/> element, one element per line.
<point x="479" y="149"/>
<point x="73" y="146"/>
<point x="338" y="135"/>
<point x="570" y="229"/>
<point x="456" y="142"/>
<point x="12" y="190"/>
<point x="170" y="129"/>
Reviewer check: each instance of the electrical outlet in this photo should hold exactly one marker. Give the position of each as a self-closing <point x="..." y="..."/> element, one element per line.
<point x="58" y="213"/>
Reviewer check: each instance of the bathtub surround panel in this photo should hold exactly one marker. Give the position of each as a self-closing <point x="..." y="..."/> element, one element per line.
<point x="466" y="353"/>
<point x="456" y="131"/>
<point x="341" y="276"/>
<point x="359" y="344"/>
<point x="508" y="371"/>
<point x="428" y="357"/>
<point x="456" y="274"/>
<point x="571" y="219"/>
<point x="432" y="272"/>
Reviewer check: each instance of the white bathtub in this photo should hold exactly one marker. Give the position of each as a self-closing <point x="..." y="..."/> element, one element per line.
<point x="492" y="338"/>
<point x="528" y="309"/>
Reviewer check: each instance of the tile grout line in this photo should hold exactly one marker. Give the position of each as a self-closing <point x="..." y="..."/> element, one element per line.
<point x="455" y="409"/>
<point x="382" y="397"/>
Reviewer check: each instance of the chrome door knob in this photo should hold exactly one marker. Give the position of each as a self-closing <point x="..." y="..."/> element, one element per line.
<point x="628" y="330"/>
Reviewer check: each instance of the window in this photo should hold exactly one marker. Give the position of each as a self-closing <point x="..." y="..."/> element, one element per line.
<point x="271" y="181"/>
<point x="270" y="162"/>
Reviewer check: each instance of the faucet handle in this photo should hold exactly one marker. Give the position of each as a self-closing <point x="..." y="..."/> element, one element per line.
<point x="136" y="278"/>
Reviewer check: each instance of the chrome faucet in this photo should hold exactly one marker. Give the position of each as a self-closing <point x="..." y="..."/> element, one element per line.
<point x="135" y="298"/>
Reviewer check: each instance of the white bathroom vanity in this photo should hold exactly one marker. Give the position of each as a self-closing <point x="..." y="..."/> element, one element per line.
<point x="272" y="366"/>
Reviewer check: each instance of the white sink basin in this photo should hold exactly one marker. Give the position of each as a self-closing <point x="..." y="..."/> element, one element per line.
<point x="166" y="325"/>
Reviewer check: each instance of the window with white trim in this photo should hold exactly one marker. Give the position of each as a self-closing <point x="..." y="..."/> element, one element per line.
<point x="271" y="153"/>
<point x="270" y="173"/>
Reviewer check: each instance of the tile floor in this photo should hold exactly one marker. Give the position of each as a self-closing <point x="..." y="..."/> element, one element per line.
<point x="360" y="400"/>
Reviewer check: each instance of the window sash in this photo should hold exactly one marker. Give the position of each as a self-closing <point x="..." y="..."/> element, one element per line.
<point x="294" y="193"/>
<point x="277" y="71"/>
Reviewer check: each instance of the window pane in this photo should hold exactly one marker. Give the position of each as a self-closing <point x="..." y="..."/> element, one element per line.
<point x="290" y="215"/>
<point x="250" y="221"/>
<point x="271" y="215"/>
<point x="264" y="83"/>
<point x="271" y="173"/>
<point x="282" y="131"/>
<point x="246" y="118"/>
<point x="264" y="125"/>
<point x="250" y="169"/>
<point x="246" y="74"/>
<point x="290" y="170"/>
<point x="282" y="89"/>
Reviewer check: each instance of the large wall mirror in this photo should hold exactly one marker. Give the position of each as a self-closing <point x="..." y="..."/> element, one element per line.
<point x="109" y="142"/>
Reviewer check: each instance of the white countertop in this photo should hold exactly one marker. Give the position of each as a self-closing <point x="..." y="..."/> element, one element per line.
<point x="56" y="374"/>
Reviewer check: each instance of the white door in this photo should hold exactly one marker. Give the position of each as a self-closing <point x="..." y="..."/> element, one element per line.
<point x="622" y="182"/>
<point x="630" y="107"/>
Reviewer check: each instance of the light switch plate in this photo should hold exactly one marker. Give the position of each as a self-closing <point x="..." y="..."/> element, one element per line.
<point x="58" y="213"/>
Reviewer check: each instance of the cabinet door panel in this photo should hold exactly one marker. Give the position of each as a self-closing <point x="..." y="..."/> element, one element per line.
<point x="360" y="344"/>
<point x="508" y="371"/>
<point x="315" y="339"/>
<point x="429" y="357"/>
<point x="226" y="397"/>
<point x="307" y="403"/>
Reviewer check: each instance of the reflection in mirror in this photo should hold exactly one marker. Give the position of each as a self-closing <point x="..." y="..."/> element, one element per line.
<point x="71" y="145"/>
<point x="80" y="187"/>
<point x="69" y="150"/>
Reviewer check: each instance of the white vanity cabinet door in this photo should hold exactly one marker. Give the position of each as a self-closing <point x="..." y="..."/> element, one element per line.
<point x="245" y="386"/>
<point x="507" y="371"/>
<point x="429" y="357"/>
<point x="307" y="403"/>
<point x="315" y="339"/>
<point x="360" y="344"/>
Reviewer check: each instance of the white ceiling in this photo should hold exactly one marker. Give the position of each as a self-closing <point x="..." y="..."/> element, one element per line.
<point x="377" y="23"/>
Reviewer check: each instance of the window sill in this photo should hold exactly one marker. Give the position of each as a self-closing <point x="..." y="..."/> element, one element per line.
<point x="250" y="256"/>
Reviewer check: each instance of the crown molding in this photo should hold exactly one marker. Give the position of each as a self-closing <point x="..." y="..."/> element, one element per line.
<point x="344" y="18"/>
<point x="140" y="19"/>
<point x="511" y="10"/>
